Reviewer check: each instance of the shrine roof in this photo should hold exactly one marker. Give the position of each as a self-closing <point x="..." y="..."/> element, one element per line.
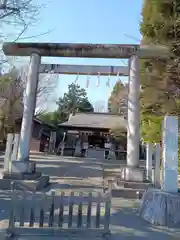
<point x="95" y="120"/>
<point x="38" y="121"/>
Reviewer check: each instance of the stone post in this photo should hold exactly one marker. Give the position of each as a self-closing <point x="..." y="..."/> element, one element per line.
<point x="28" y="113"/>
<point x="8" y="152"/>
<point x="170" y="154"/>
<point x="132" y="172"/>
<point x="15" y="147"/>
<point x="149" y="154"/>
<point x="157" y="170"/>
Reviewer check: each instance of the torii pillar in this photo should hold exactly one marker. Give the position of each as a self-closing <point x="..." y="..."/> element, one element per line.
<point x="133" y="136"/>
<point x="24" y="165"/>
<point x="132" y="172"/>
<point x="29" y="106"/>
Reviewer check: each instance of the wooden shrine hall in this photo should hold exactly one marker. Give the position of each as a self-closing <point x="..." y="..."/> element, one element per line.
<point x="94" y="128"/>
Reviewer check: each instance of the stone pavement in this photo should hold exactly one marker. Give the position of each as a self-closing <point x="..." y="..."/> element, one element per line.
<point x="70" y="172"/>
<point x="86" y="174"/>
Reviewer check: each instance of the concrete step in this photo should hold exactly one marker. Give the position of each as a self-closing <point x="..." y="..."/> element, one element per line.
<point x="127" y="189"/>
<point x="133" y="185"/>
<point x="127" y="193"/>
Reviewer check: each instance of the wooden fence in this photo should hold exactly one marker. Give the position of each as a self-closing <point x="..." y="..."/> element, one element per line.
<point x="85" y="215"/>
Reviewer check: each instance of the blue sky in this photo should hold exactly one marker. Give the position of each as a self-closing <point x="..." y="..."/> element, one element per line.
<point x="90" y="21"/>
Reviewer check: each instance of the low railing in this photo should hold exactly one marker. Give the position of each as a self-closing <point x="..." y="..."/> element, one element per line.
<point x="82" y="214"/>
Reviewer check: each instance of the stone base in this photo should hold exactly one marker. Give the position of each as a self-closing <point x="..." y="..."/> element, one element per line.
<point x="25" y="185"/>
<point x="161" y="208"/>
<point x="22" y="176"/>
<point x="23" y="167"/>
<point x="132" y="174"/>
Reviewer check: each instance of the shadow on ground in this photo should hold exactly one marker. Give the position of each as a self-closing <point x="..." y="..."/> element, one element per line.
<point x="126" y="224"/>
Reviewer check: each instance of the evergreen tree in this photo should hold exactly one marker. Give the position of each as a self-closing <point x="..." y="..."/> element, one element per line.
<point x="74" y="100"/>
<point x="160" y="79"/>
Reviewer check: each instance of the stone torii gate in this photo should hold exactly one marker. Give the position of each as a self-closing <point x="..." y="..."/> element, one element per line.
<point x="92" y="70"/>
<point x="117" y="51"/>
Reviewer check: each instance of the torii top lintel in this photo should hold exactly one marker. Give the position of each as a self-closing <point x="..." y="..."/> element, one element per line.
<point x="85" y="50"/>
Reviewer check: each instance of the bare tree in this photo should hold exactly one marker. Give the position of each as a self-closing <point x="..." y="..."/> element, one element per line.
<point x="46" y="94"/>
<point x="12" y="86"/>
<point x="118" y="100"/>
<point x="20" y="12"/>
<point x="11" y="106"/>
<point x="17" y="15"/>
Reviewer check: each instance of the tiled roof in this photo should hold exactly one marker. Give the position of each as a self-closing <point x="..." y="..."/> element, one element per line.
<point x="37" y="120"/>
<point x="95" y="120"/>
